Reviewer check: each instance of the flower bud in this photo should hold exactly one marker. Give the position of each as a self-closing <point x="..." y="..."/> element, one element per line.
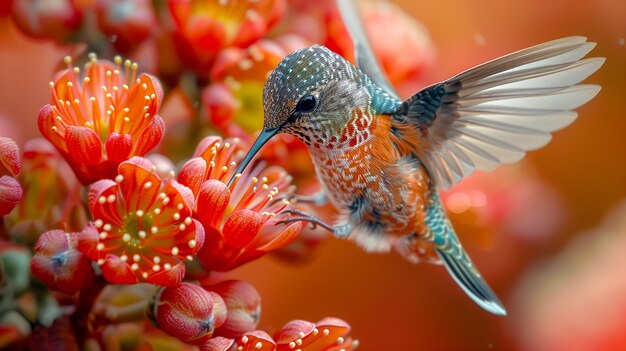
<point x="243" y="303"/>
<point x="58" y="264"/>
<point x="186" y="312"/>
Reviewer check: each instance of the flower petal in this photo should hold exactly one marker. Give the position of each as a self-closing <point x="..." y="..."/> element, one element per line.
<point x="257" y="340"/>
<point x="219" y="343"/>
<point x="192" y="174"/>
<point x="118" y="146"/>
<point x="212" y="201"/>
<point x="136" y="173"/>
<point x="241" y="227"/>
<point x="83" y="145"/>
<point x="87" y="241"/>
<point x="169" y="277"/>
<point x="117" y="271"/>
<point x="331" y="333"/>
<point x="150" y="136"/>
<point x="10" y="158"/>
<point x="97" y="189"/>
<point x="279" y="237"/>
<point x="292" y="331"/>
<point x="203" y="149"/>
<point x="45" y="122"/>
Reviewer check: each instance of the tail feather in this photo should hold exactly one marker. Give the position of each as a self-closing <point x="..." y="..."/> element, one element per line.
<point x="470" y="280"/>
<point x="456" y="260"/>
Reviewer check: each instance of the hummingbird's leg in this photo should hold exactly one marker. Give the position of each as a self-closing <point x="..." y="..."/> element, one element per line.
<point x="341" y="231"/>
<point x="306" y="217"/>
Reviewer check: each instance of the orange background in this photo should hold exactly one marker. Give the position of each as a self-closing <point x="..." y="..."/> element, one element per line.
<point x="390" y="303"/>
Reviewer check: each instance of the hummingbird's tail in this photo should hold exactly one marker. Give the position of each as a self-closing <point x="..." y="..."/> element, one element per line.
<point x="456" y="260"/>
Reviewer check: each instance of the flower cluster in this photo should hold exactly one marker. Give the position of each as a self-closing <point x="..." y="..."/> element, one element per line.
<point x="130" y="235"/>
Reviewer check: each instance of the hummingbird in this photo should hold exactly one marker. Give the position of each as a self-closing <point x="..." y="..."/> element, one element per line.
<point x="381" y="161"/>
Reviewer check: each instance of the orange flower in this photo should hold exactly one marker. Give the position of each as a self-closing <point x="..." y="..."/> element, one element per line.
<point x="241" y="220"/>
<point x="143" y="230"/>
<point x="104" y="118"/>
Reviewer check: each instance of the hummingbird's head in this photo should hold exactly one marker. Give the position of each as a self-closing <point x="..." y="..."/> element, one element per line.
<point x="311" y="94"/>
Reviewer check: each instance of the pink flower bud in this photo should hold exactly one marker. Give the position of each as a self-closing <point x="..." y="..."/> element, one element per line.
<point x="186" y="312"/>
<point x="58" y="264"/>
<point x="10" y="159"/>
<point x="10" y="194"/>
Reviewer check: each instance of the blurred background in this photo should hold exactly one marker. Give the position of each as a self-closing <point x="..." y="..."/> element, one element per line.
<point x="549" y="234"/>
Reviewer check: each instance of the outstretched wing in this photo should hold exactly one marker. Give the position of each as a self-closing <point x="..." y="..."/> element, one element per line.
<point x="363" y="54"/>
<point x="496" y="112"/>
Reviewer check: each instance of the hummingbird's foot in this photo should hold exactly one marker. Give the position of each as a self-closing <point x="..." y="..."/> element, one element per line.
<point x="318" y="199"/>
<point x="305" y="217"/>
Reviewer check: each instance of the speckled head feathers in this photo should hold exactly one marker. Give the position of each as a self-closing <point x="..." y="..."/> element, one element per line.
<point x="299" y="73"/>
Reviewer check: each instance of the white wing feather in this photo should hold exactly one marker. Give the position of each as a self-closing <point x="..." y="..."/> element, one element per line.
<point x="506" y="107"/>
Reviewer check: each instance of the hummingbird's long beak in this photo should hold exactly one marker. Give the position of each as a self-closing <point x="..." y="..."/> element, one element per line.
<point x="266" y="134"/>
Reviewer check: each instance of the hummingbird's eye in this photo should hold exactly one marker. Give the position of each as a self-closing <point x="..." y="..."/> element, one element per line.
<point x="306" y="104"/>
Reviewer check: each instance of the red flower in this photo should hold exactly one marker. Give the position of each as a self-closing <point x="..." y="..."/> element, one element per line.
<point x="142" y="229"/>
<point x="104" y="118"/>
<point x="243" y="304"/>
<point x="186" y="311"/>
<point x="203" y="27"/>
<point x="240" y="220"/>
<point x="58" y="264"/>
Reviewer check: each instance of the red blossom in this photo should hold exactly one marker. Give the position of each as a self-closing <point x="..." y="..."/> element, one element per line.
<point x="186" y="311"/>
<point x="241" y="220"/>
<point x="58" y="264"/>
<point x="102" y="118"/>
<point x="142" y="229"/>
